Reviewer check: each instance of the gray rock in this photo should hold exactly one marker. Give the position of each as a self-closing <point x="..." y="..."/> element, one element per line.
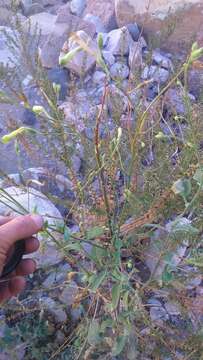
<point x="6" y="56"/>
<point x="30" y="8"/>
<point x="162" y="60"/>
<point x="69" y="293"/>
<point x="174" y="101"/>
<point x="60" y="76"/>
<point x="195" y="82"/>
<point x="76" y="314"/>
<point x="96" y="21"/>
<point x="58" y="276"/>
<point x="134" y="31"/>
<point x="119" y="41"/>
<point x="119" y="71"/>
<point x="117" y="102"/>
<point x="29" y="118"/>
<point x="157" y="311"/>
<point x="53" y="308"/>
<point x="44" y="21"/>
<point x="159" y="75"/>
<point x="63" y="183"/>
<point x="108" y="57"/>
<point x="99" y="77"/>
<point x="77" y="7"/>
<point x="5" y="16"/>
<point x="172" y="308"/>
<point x="82" y="62"/>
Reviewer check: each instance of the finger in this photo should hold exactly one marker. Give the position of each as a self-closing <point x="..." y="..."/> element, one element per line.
<point x="26" y="267"/>
<point x="11" y="287"/>
<point x="21" y="227"/>
<point x="5" y="219"/>
<point x="31" y="245"/>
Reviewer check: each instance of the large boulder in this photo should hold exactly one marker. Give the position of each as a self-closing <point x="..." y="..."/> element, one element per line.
<point x="64" y="24"/>
<point x="178" y="22"/>
<point x="105" y="10"/>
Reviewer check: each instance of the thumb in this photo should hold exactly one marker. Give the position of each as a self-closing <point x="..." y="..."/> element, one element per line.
<point x="21" y="227"/>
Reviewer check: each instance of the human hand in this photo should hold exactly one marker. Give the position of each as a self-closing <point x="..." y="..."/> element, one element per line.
<point x="12" y="230"/>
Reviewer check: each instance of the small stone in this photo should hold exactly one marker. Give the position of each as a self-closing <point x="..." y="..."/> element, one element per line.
<point x="134" y="31"/>
<point x="99" y="77"/>
<point x="68" y="295"/>
<point x="77" y="7"/>
<point x="119" y="71"/>
<point x="59" y="315"/>
<point x="119" y="41"/>
<point x="162" y="60"/>
<point x="117" y="102"/>
<point x="82" y="62"/>
<point x="32" y="9"/>
<point x="159" y="75"/>
<point x="174" y="101"/>
<point x="63" y="183"/>
<point x="157" y="312"/>
<point x="60" y="76"/>
<point x="77" y="313"/>
<point x="29" y="118"/>
<point x="58" y="276"/>
<point x="96" y="21"/>
<point x="108" y="57"/>
<point x="44" y="21"/>
<point x="172" y="308"/>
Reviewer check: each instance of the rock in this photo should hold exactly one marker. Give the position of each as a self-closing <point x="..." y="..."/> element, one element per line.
<point x="108" y="57"/>
<point x="63" y="183"/>
<point x="77" y="7"/>
<point x="159" y="75"/>
<point x="32" y="202"/>
<point x="53" y="308"/>
<point x="162" y="60"/>
<point x="29" y="118"/>
<point x="60" y="337"/>
<point x="45" y="22"/>
<point x="119" y="71"/>
<point x="99" y="77"/>
<point x="117" y="102"/>
<point x="19" y="351"/>
<point x="157" y="311"/>
<point x="195" y="82"/>
<point x="5" y="16"/>
<point x="50" y="50"/>
<point x="7" y="58"/>
<point x="30" y="8"/>
<point x="134" y="31"/>
<point x="96" y="21"/>
<point x="135" y="56"/>
<point x="105" y="10"/>
<point x="158" y="15"/>
<point x="58" y="276"/>
<point x="174" y="101"/>
<point x="77" y="313"/>
<point x="119" y="41"/>
<point x="68" y="295"/>
<point x="82" y="62"/>
<point x="61" y="77"/>
<point x="172" y="308"/>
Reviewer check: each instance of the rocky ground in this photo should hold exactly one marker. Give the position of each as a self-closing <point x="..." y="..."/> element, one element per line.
<point x="126" y="52"/>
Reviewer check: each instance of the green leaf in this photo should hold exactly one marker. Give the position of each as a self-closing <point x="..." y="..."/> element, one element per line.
<point x="198" y="177"/>
<point x="182" y="225"/>
<point x="67" y="234"/>
<point x="74" y="246"/>
<point x="93" y="336"/>
<point x="95" y="232"/>
<point x="8" y="137"/>
<point x="198" y="262"/>
<point x="63" y="60"/>
<point x="119" y="345"/>
<point x="116" y="292"/>
<point x="108" y="323"/>
<point x="97" y="280"/>
<point x="167" y="275"/>
<point x="182" y="187"/>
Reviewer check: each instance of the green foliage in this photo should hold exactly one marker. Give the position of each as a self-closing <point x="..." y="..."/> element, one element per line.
<point x="117" y="295"/>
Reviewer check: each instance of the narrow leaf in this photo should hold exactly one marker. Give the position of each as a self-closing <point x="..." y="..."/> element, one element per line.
<point x="97" y="280"/>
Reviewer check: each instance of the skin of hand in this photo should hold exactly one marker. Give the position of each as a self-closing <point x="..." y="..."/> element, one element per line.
<point x="12" y="230"/>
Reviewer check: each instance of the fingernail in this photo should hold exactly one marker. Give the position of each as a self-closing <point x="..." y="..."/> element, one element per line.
<point x="38" y="220"/>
